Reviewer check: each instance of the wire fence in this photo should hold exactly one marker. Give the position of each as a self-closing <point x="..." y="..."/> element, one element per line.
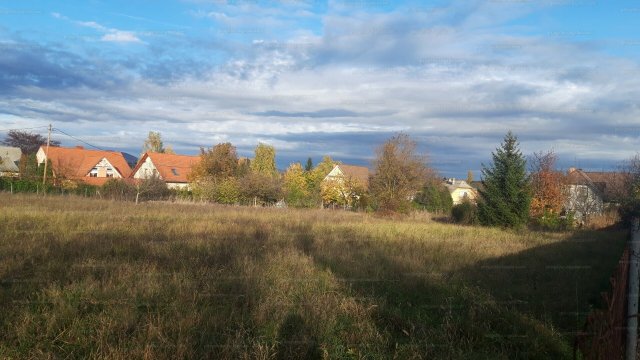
<point x="603" y="336"/>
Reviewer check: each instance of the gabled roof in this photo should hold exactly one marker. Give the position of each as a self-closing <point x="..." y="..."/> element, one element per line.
<point x="610" y="185"/>
<point x="171" y="168"/>
<point x="359" y="173"/>
<point x="77" y="162"/>
<point x="453" y="184"/>
<point x="9" y="159"/>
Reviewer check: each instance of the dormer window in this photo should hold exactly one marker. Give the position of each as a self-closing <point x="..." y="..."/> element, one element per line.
<point x="174" y="171"/>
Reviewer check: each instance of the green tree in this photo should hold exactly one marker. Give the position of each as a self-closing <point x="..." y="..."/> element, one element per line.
<point x="265" y="160"/>
<point x="315" y="177"/>
<point x="295" y="187"/>
<point x="309" y="165"/>
<point x="434" y="197"/>
<point x="506" y="195"/>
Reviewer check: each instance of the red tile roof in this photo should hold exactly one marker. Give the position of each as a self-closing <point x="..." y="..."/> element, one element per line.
<point x="76" y="163"/>
<point x="171" y="168"/>
<point x="360" y="173"/>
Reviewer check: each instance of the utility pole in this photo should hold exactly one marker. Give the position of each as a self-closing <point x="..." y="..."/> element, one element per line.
<point x="46" y="158"/>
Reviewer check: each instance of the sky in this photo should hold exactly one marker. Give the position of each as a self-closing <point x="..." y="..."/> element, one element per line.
<point x="335" y="77"/>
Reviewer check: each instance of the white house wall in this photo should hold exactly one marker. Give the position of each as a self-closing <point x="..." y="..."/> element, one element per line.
<point x="146" y="170"/>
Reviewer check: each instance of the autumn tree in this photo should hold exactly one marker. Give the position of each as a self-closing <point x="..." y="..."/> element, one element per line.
<point x="469" y="177"/>
<point x="506" y="195"/>
<point x="295" y="186"/>
<point x="547" y="185"/>
<point x="400" y="171"/>
<point x="219" y="162"/>
<point x="264" y="161"/>
<point x="28" y="143"/>
<point x="344" y="191"/>
<point x="260" y="189"/>
<point x="213" y="177"/>
<point x="154" y="143"/>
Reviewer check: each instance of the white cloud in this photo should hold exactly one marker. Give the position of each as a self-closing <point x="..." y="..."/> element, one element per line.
<point x="120" y="36"/>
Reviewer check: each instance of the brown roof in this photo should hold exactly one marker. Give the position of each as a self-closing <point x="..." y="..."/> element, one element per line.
<point x="609" y="184"/>
<point x="171" y="168"/>
<point x="360" y="173"/>
<point x="76" y="163"/>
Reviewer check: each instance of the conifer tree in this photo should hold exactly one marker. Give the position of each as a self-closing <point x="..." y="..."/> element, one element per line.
<point x="506" y="194"/>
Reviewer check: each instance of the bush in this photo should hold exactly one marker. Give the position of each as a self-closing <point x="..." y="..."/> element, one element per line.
<point x="552" y="221"/>
<point x="628" y="211"/>
<point x="224" y="191"/>
<point x="23" y="186"/>
<point x="465" y="213"/>
<point x="118" y="189"/>
<point x="152" y="188"/>
<point x="434" y="198"/>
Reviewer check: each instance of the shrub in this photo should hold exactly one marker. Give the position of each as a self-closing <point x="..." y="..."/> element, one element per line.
<point x="23" y="186"/>
<point x="552" y="221"/>
<point x="118" y="189"/>
<point x="152" y="188"/>
<point x="465" y="213"/>
<point x="434" y="198"/>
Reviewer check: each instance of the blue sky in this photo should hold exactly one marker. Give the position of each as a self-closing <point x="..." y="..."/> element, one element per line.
<point x="335" y="78"/>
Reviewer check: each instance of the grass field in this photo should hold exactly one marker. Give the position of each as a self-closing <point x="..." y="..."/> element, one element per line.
<point x="99" y="279"/>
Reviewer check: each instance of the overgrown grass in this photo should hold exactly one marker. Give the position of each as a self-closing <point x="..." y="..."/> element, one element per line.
<point x="98" y="279"/>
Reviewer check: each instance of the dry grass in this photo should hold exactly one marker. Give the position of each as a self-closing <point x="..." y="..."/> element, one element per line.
<point x="97" y="279"/>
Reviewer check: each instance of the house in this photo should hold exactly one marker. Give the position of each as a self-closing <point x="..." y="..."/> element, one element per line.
<point x="93" y="167"/>
<point x="590" y="192"/>
<point x="10" y="161"/>
<point x="345" y="185"/>
<point x="342" y="173"/>
<point x="460" y="190"/>
<point x="172" y="169"/>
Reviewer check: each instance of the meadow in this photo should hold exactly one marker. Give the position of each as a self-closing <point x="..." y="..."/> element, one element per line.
<point x="84" y="278"/>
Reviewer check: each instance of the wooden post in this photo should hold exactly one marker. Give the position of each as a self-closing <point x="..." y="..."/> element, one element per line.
<point x="46" y="158"/>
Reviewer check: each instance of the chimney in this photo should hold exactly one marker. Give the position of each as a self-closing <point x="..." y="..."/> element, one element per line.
<point x="80" y="147"/>
<point x="571" y="169"/>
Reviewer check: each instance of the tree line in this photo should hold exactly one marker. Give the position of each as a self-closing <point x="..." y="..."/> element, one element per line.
<point x="514" y="191"/>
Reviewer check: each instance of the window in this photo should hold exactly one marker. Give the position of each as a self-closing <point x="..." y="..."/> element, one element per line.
<point x="174" y="171"/>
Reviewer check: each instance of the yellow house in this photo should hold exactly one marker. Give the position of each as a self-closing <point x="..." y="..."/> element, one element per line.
<point x="460" y="190"/>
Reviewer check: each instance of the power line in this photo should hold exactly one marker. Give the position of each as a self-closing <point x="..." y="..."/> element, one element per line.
<point x="75" y="138"/>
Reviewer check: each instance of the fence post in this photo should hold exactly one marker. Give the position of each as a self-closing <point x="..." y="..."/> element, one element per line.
<point x="632" y="294"/>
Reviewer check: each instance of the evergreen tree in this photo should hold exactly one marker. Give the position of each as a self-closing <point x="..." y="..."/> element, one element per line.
<point x="506" y="196"/>
<point x="309" y="165"/>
